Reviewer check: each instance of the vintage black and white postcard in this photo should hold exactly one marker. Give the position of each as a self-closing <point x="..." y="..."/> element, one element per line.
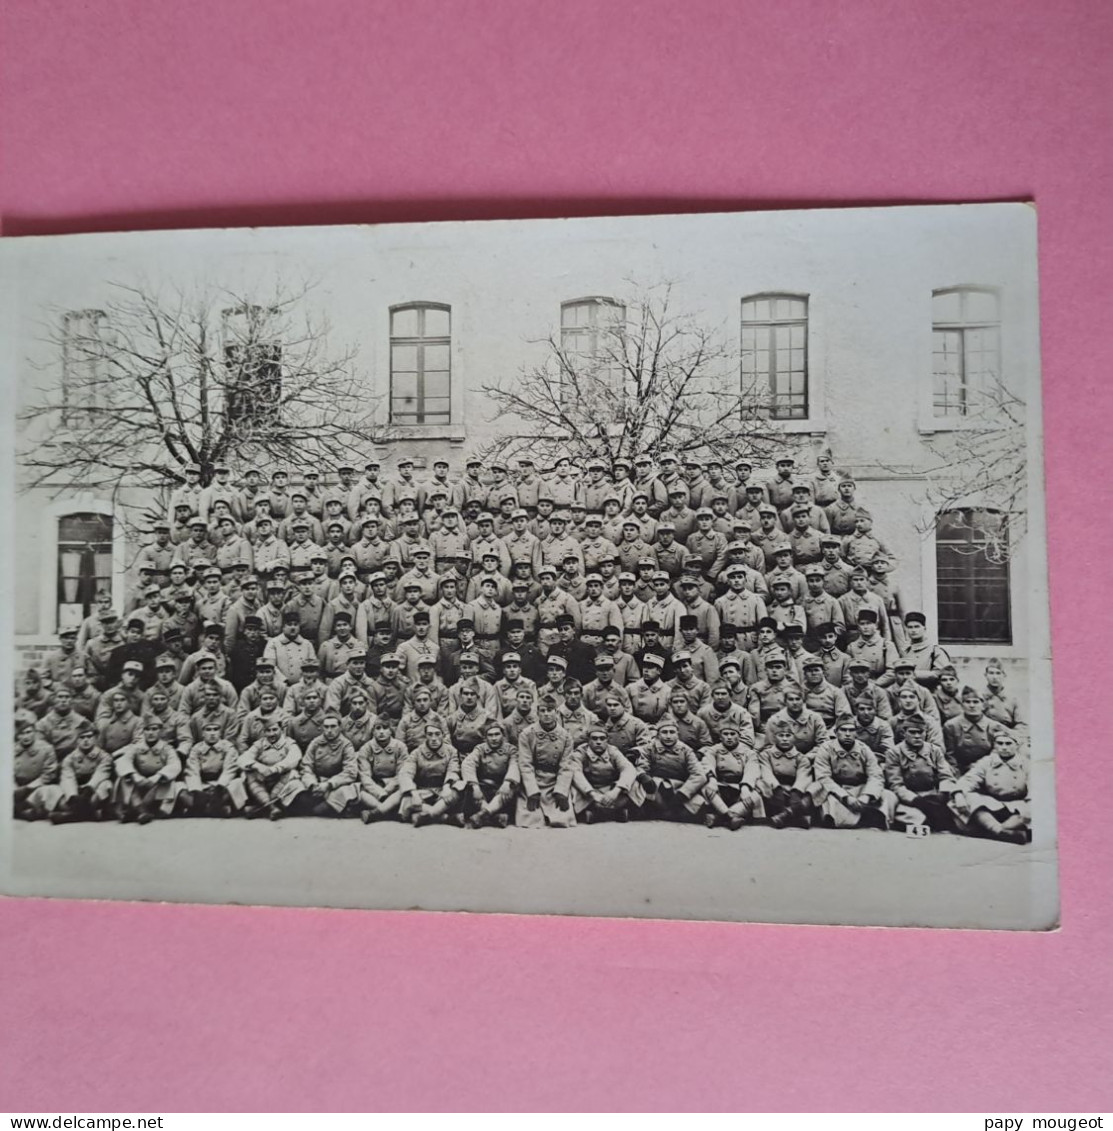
<point x="679" y="566"/>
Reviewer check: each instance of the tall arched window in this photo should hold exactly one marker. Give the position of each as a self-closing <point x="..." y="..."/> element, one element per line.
<point x="972" y="576"/>
<point x="966" y="347"/>
<point x="421" y="363"/>
<point x="589" y="338"/>
<point x="84" y="364"/>
<point x="253" y="367"/>
<point x="775" y="355"/>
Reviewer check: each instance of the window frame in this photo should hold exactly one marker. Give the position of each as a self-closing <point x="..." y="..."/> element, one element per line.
<point x="593" y="303"/>
<point x="50" y="520"/>
<point x="766" y="407"/>
<point x="82" y="414"/>
<point x="418" y="419"/>
<point x="253" y="409"/>
<point x="1003" y="577"/>
<point x="962" y="327"/>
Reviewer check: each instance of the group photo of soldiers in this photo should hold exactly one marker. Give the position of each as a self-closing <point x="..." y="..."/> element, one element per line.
<point x="665" y="638"/>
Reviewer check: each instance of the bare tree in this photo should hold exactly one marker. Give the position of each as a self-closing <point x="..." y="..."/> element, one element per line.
<point x="156" y="380"/>
<point x="983" y="467"/>
<point x="642" y="377"/>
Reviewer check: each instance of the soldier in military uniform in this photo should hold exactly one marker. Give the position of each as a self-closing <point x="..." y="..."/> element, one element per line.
<point x="671" y="774"/>
<point x="850" y="787"/>
<point x="490" y="776"/>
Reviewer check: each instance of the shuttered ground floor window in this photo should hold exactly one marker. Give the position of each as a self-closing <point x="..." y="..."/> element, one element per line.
<point x="84" y="565"/>
<point x="972" y="577"/>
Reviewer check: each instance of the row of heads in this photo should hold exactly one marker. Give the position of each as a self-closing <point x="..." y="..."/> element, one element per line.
<point x="474" y="512"/>
<point x="783" y="461"/>
<point x="692" y="564"/>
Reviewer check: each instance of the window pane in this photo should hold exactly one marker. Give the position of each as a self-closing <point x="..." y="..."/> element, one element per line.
<point x="437" y="323"/>
<point x="403" y="323"/>
<point x="982" y="364"/>
<point x="436" y="357"/>
<point x="572" y="314"/>
<point x="436" y="384"/>
<point x="404" y="385"/>
<point x="403" y="359"/>
<point x="949" y="392"/>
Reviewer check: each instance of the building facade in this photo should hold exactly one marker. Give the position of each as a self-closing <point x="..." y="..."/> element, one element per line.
<point x="871" y="346"/>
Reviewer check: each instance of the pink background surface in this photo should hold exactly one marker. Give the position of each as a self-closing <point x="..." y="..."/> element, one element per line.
<point x="129" y="114"/>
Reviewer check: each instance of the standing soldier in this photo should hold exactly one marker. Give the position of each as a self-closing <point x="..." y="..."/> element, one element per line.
<point x="649" y="696"/>
<point x="802" y="497"/>
<point x="243" y="506"/>
<point x="842" y="512"/>
<point x="439" y="482"/>
<point x="219" y="488"/>
<point x="596" y="488"/>
<point x="314" y="498"/>
<point x="470" y="489"/>
<point x="825" y="483"/>
<point x="366" y="488"/>
<point x="970" y="736"/>
<point x="158" y="554"/>
<point x="780" y="490"/>
<point x="529" y="486"/>
<point x="188" y="494"/>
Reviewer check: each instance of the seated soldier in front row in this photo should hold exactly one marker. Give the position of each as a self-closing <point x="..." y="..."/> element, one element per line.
<point x="213" y="784"/>
<point x="732" y="772"/>
<point x="429" y="780"/>
<point x="605" y="779"/>
<point x="147" y="776"/>
<point x="36" y="765"/>
<point x="490" y="777"/>
<point x="84" y="789"/>
<point x="546" y="762"/>
<point x="672" y="776"/>
<point x="786" y="780"/>
<point x="991" y="798"/>
<point x="380" y="762"/>
<point x="849" y="786"/>
<point x="270" y="773"/>
<point x="920" y="777"/>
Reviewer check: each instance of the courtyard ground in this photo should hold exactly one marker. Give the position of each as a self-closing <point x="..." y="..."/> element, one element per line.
<point x="651" y="869"/>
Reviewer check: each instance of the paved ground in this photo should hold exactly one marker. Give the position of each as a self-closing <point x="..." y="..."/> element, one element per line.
<point x="643" y="870"/>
